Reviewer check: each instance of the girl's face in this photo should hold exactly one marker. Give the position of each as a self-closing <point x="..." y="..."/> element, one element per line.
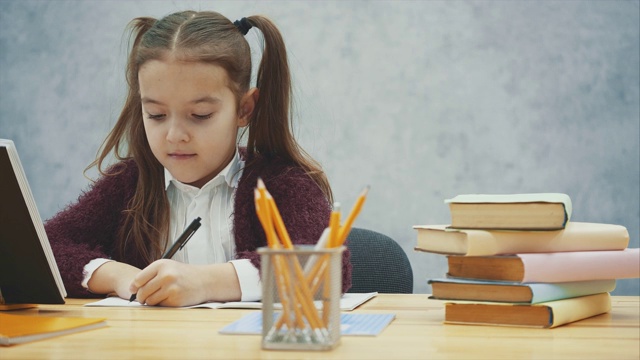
<point x="190" y="118"/>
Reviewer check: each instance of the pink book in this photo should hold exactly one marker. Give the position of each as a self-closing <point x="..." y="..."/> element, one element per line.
<point x="548" y="267"/>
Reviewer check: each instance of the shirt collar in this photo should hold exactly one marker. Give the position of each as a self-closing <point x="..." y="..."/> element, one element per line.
<point x="231" y="174"/>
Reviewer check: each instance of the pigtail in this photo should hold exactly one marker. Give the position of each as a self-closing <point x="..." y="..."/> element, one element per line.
<point x="270" y="124"/>
<point x="270" y="119"/>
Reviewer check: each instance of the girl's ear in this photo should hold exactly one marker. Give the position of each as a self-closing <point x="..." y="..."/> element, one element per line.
<point x="247" y="105"/>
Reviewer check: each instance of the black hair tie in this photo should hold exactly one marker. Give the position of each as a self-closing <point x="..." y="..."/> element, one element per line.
<point x="243" y="25"/>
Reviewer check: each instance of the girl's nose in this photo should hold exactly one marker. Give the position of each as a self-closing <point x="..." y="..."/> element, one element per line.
<point x="177" y="132"/>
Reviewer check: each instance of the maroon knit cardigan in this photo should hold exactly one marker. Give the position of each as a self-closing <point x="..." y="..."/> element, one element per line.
<point x="88" y="228"/>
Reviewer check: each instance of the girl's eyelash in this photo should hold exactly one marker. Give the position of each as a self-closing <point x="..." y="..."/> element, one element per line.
<point x="155" y="116"/>
<point x="202" y="117"/>
<point x="196" y="116"/>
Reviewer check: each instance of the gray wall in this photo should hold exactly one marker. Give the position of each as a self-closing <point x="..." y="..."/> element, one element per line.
<point x="420" y="100"/>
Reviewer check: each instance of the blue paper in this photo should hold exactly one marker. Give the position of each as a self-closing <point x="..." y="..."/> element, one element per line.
<point x="350" y="324"/>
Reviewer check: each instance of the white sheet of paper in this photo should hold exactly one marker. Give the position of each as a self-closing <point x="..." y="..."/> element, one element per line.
<point x="348" y="302"/>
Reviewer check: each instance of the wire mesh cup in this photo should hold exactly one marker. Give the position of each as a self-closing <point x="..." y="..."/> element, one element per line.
<point x="301" y="289"/>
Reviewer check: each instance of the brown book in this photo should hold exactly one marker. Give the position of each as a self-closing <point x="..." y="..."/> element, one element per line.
<point x="577" y="236"/>
<point x="544" y="315"/>
<point x="543" y="211"/>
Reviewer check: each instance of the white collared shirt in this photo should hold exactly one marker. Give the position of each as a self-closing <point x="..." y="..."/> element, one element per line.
<point x="213" y="243"/>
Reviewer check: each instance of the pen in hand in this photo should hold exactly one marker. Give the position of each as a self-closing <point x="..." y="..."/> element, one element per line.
<point x="178" y="244"/>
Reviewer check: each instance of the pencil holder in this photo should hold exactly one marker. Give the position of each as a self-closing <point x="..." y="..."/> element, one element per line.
<point x="301" y="289"/>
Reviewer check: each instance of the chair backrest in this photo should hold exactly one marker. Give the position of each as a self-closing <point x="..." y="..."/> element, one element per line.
<point x="378" y="264"/>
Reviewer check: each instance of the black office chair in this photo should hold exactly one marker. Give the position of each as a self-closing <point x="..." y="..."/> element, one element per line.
<point x="378" y="264"/>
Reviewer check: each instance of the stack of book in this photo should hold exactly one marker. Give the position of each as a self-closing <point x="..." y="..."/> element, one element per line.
<point x="518" y="260"/>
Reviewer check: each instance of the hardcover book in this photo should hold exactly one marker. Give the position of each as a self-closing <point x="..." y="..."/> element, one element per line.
<point x="548" y="267"/>
<point x="28" y="270"/>
<point x="576" y="236"/>
<point x="532" y="293"/>
<point x="544" y="315"/>
<point x="544" y="211"/>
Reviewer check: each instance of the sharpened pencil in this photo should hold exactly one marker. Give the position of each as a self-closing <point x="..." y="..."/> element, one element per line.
<point x="344" y="230"/>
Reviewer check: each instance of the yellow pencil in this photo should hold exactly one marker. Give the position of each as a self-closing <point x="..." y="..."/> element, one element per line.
<point x="287" y="292"/>
<point x="326" y="293"/>
<point x="283" y="283"/>
<point x="344" y="230"/>
<point x="300" y="289"/>
<point x="266" y="211"/>
<point x="261" y="214"/>
<point x="334" y="225"/>
<point x="305" y="296"/>
<point x="278" y="222"/>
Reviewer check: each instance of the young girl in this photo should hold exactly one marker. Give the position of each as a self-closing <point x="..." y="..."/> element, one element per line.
<point x="178" y="159"/>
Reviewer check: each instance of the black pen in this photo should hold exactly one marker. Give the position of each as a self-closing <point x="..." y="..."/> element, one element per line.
<point x="178" y="244"/>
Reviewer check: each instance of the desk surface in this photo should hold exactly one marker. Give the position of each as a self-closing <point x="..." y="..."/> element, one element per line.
<point x="416" y="333"/>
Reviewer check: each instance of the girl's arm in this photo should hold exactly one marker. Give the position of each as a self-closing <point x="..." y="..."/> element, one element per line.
<point x="88" y="228"/>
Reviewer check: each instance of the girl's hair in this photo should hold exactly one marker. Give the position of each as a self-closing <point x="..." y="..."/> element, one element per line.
<point x="211" y="38"/>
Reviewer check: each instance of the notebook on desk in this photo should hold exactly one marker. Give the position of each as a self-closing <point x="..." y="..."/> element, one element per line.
<point x="348" y="302"/>
<point x="28" y="270"/>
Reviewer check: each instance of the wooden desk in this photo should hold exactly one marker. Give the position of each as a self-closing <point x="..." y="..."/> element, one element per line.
<point x="416" y="333"/>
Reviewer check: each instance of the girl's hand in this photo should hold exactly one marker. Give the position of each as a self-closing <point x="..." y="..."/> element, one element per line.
<point x="172" y="283"/>
<point x="113" y="277"/>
